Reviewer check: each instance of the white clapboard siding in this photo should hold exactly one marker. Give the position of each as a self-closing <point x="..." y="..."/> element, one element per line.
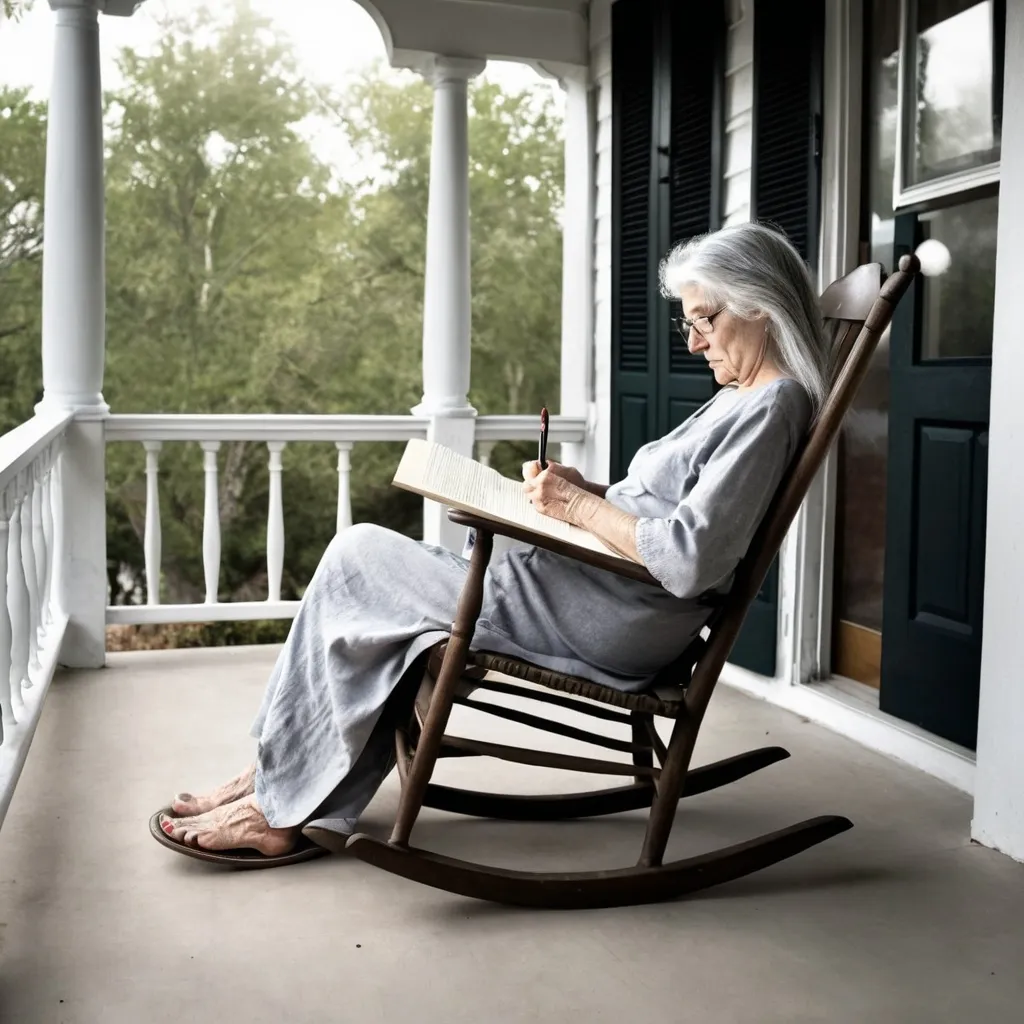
<point x="739" y="105"/>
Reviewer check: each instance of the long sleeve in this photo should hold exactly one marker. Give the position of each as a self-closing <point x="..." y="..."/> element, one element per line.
<point x="700" y="544"/>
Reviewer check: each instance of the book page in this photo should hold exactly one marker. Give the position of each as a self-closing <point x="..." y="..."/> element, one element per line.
<point x="439" y="473"/>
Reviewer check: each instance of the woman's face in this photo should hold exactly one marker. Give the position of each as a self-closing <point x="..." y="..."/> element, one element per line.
<point x="732" y="347"/>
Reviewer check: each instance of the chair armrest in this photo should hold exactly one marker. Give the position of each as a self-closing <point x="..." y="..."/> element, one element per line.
<point x="619" y="566"/>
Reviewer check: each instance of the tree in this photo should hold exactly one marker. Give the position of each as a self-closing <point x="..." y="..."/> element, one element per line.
<point x="22" y="169"/>
<point x="14" y="9"/>
<point x="244" y="276"/>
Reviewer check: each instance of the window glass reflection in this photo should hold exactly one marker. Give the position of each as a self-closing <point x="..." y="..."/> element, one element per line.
<point x="955" y="107"/>
<point x="957" y="308"/>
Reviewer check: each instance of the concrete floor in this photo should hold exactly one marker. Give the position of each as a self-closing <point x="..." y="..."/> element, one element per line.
<point x="899" y="920"/>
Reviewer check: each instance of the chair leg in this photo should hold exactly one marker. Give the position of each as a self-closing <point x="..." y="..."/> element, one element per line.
<point x="669" y="790"/>
<point x="641" y="758"/>
<point x="432" y="735"/>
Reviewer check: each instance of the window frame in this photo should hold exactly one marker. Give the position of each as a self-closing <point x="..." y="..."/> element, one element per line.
<point x="960" y="185"/>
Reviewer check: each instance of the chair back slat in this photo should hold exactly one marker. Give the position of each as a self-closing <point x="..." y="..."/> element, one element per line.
<point x="845" y="305"/>
<point x="856" y="304"/>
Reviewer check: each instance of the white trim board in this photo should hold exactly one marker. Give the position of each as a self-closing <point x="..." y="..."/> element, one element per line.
<point x="836" y="705"/>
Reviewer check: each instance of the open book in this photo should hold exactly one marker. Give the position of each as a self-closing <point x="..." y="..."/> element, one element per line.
<point x="437" y="472"/>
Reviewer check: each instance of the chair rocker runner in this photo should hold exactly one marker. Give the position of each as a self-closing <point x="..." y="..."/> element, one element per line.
<point x="858" y="309"/>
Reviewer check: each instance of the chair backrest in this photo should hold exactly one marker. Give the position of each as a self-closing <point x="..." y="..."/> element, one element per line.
<point x="857" y="309"/>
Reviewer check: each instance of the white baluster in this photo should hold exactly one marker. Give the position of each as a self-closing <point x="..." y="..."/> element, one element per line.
<point x="153" y="537"/>
<point x="7" y="718"/>
<point x="57" y="527"/>
<point x="28" y="556"/>
<point x="47" y="518"/>
<point x="39" y="549"/>
<point x="17" y="603"/>
<point x="485" y="448"/>
<point x="211" y="522"/>
<point x="344" y="485"/>
<point x="275" y="524"/>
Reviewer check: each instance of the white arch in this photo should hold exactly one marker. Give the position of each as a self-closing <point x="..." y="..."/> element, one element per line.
<point x="382" y="26"/>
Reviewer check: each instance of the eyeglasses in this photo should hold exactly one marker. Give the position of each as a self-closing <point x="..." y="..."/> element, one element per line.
<point x="704" y="324"/>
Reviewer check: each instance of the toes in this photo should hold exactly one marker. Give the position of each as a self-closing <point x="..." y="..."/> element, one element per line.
<point x="177" y="827"/>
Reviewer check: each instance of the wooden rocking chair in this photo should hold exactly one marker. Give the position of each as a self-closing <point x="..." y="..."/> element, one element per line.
<point x="859" y="308"/>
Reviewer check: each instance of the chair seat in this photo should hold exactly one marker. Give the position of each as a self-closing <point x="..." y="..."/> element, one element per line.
<point x="663" y="700"/>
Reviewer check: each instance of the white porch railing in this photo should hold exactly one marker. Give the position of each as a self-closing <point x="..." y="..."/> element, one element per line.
<point x="210" y="431"/>
<point x="32" y="621"/>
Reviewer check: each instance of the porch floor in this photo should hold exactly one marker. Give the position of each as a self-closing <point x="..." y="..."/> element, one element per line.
<point x="901" y="919"/>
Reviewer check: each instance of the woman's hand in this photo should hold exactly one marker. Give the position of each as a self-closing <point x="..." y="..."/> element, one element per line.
<point x="562" y="493"/>
<point x="553" y="491"/>
<point x="574" y="476"/>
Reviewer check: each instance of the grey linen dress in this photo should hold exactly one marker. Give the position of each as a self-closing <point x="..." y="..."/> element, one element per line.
<point x="378" y="600"/>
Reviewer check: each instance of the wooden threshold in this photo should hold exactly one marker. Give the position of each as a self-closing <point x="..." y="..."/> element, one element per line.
<point x="858" y="653"/>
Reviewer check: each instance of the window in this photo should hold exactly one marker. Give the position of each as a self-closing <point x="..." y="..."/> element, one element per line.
<point x="950" y="98"/>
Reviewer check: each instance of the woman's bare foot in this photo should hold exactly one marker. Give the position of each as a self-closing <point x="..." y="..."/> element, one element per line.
<point x="234" y="826"/>
<point x="186" y="805"/>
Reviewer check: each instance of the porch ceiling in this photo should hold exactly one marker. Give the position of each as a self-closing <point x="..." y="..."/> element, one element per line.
<point x="900" y="919"/>
<point x="546" y="32"/>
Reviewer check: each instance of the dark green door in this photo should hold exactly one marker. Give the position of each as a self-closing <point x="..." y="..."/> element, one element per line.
<point x="940" y="374"/>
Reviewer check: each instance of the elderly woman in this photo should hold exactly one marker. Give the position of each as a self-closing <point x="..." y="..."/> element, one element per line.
<point x="686" y="510"/>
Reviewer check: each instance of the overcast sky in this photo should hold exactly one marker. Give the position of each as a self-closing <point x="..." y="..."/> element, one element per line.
<point x="332" y="39"/>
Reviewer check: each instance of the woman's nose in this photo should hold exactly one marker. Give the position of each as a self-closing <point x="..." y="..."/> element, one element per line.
<point x="696" y="341"/>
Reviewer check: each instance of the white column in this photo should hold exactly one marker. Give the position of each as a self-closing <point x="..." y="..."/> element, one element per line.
<point x="578" y="261"/>
<point x="275" y="523"/>
<point x="152" y="541"/>
<point x="211" y="521"/>
<point x="73" y="316"/>
<point x="446" y="298"/>
<point x="344" y="485"/>
<point x="999" y="776"/>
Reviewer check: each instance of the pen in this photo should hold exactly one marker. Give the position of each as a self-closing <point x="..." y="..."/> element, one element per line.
<point x="543" y="447"/>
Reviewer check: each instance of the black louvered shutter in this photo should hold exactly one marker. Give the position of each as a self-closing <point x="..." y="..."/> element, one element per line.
<point x="634" y="361"/>
<point x="786" y="177"/>
<point x="695" y="54"/>
<point x="667" y="77"/>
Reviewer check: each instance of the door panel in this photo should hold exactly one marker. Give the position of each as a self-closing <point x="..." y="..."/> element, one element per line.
<point x="938" y="476"/>
<point x="948" y="463"/>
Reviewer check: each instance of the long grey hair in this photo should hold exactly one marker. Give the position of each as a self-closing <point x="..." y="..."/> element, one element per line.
<point x="754" y="271"/>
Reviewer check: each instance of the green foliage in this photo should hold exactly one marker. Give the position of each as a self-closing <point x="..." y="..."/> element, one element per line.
<point x="22" y="145"/>
<point x="244" y="277"/>
<point x="14" y="9"/>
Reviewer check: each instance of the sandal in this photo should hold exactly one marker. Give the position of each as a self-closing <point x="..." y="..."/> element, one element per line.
<point x="305" y="849"/>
